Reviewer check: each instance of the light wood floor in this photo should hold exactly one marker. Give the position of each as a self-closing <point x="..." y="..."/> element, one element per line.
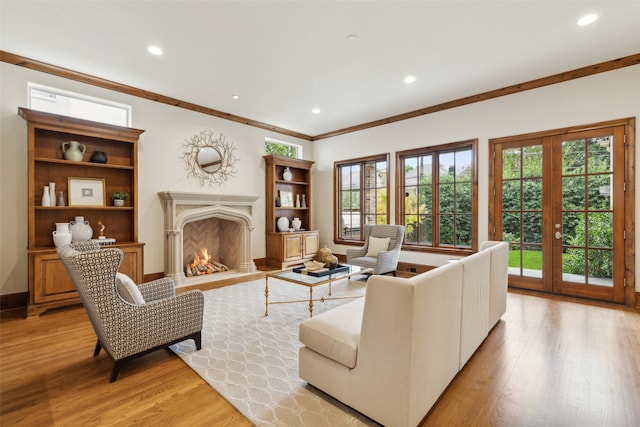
<point x="549" y="362"/>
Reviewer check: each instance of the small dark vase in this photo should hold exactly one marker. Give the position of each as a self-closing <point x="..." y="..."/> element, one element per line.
<point x="98" y="157"/>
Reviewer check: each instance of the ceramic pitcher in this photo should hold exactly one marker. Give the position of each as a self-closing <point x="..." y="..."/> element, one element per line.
<point x="73" y="150"/>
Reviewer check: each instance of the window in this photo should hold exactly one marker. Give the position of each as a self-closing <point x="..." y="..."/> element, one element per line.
<point x="439" y="186"/>
<point x="285" y="149"/>
<point x="363" y="187"/>
<point x="57" y="101"/>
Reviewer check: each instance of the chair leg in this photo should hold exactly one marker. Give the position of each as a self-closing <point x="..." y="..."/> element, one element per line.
<point x="116" y="369"/>
<point x="198" y="340"/>
<point x="394" y="273"/>
<point x="98" y="348"/>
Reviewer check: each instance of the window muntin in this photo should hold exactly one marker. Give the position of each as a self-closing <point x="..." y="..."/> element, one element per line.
<point x="362" y="196"/>
<point x="439" y="188"/>
<point x="65" y="103"/>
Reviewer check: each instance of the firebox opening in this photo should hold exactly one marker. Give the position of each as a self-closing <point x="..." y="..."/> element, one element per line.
<point x="210" y="246"/>
<point x="203" y="264"/>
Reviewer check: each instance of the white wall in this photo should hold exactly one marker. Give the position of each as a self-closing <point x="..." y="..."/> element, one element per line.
<point x="160" y="168"/>
<point x="602" y="97"/>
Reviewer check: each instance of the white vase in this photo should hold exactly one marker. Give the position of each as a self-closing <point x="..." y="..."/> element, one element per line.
<point x="52" y="193"/>
<point x="62" y="234"/>
<point x="298" y="201"/>
<point x="287" y="175"/>
<point x="46" y="196"/>
<point x="80" y="230"/>
<point x="296" y="224"/>
<point x="304" y="200"/>
<point x="283" y="223"/>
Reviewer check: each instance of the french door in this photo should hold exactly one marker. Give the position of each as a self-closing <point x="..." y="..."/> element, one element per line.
<point x="559" y="200"/>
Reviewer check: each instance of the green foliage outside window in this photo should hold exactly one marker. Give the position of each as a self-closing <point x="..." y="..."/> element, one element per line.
<point x="279" y="149"/>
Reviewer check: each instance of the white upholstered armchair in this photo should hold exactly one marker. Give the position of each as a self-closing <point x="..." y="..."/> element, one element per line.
<point x="129" y="320"/>
<point x="381" y="249"/>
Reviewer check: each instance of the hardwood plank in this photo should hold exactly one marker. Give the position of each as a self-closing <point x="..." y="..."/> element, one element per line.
<point x="550" y="361"/>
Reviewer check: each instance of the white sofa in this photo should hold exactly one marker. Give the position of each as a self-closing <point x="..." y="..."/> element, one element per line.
<point x="391" y="354"/>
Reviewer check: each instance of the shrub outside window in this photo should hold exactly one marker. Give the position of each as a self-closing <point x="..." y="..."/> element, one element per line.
<point x="362" y="196"/>
<point x="439" y="188"/>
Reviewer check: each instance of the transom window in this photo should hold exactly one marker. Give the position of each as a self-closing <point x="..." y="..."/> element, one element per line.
<point x="361" y="197"/>
<point x="65" y="103"/>
<point x="439" y="188"/>
<point x="284" y="149"/>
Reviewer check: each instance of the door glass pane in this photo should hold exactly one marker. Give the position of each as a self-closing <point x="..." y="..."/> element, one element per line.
<point x="532" y="227"/>
<point x="600" y="267"/>
<point x="573" y="157"/>
<point x="532" y="161"/>
<point x="510" y="195"/>
<point x="600" y="187"/>
<point x="600" y="228"/>
<point x="573" y="265"/>
<point x="511" y="227"/>
<point x="511" y="163"/>
<point x="600" y="156"/>
<point x="532" y="189"/>
<point x="532" y="261"/>
<point x="573" y="192"/>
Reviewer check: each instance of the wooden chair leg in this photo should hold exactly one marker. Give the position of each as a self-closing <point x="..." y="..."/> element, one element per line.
<point x="98" y="348"/>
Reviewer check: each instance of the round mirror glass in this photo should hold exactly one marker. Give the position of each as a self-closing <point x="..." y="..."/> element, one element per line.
<point x="209" y="159"/>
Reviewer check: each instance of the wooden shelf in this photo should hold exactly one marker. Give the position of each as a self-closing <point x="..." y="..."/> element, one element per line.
<point x="285" y="249"/>
<point x="49" y="284"/>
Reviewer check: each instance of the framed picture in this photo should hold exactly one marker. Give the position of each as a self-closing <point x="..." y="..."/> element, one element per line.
<point x="286" y="199"/>
<point x="86" y="192"/>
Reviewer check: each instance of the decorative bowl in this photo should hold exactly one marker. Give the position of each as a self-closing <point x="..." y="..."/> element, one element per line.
<point x="313" y="265"/>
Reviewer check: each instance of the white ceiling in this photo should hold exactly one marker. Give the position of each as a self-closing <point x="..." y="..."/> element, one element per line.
<point x="284" y="58"/>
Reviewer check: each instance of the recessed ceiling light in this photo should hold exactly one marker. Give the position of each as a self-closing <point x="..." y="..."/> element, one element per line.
<point x="155" y="50"/>
<point x="410" y="79"/>
<point x="236" y="96"/>
<point x="352" y="38"/>
<point x="587" y="19"/>
<point x="316" y="111"/>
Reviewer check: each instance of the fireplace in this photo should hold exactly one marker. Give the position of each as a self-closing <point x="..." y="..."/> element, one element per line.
<point x="221" y="224"/>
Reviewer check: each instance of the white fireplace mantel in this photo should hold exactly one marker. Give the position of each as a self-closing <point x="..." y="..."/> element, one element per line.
<point x="181" y="208"/>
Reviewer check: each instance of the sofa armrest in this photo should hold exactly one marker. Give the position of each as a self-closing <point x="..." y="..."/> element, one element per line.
<point x="157" y="289"/>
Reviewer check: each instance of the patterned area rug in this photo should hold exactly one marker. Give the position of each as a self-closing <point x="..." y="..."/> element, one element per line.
<point x="252" y="360"/>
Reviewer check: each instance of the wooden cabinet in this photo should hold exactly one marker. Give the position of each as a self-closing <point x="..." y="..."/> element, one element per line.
<point x="285" y="249"/>
<point x="49" y="283"/>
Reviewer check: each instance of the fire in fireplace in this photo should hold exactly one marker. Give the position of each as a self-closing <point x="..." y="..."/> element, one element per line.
<point x="203" y="264"/>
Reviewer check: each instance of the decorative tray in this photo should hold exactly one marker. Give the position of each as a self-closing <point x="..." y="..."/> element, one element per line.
<point x="323" y="271"/>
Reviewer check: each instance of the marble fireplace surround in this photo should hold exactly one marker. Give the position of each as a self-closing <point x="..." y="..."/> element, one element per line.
<point x="181" y="208"/>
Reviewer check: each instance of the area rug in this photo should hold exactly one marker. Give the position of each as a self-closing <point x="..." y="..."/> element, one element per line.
<point x="252" y="360"/>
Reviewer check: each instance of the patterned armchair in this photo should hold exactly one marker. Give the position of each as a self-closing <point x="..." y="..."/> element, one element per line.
<point x="379" y="253"/>
<point x="155" y="319"/>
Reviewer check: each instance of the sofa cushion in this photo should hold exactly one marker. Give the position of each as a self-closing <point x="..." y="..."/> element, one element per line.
<point x="128" y="290"/>
<point x="377" y="245"/>
<point x="335" y="334"/>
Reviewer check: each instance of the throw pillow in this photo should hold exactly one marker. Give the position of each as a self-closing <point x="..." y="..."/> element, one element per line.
<point x="128" y="290"/>
<point x="377" y="245"/>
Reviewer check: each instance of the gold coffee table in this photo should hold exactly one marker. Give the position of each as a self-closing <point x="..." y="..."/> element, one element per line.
<point x="310" y="280"/>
